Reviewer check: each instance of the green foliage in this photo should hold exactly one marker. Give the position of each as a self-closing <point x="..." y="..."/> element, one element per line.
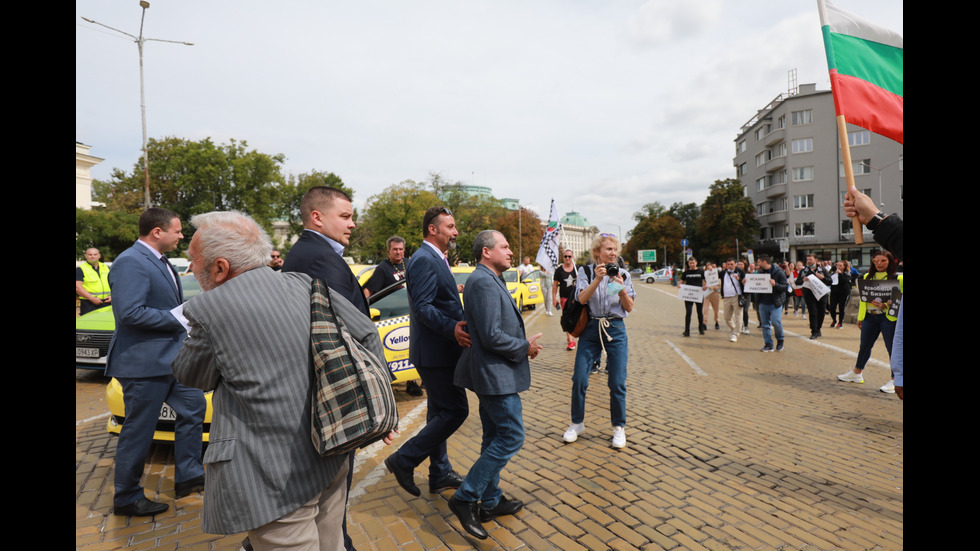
<point x="112" y="232"/>
<point x="656" y="228"/>
<point x="193" y="177"/>
<point x="529" y="226"/>
<point x="727" y="217"/>
<point x="398" y="210"/>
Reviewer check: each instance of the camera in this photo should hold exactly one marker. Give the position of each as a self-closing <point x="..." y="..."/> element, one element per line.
<point x="612" y="270"/>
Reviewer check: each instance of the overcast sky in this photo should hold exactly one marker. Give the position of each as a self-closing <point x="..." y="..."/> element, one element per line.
<point x="602" y="105"/>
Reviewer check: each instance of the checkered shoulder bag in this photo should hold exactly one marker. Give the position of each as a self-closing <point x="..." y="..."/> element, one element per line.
<point x="353" y="404"/>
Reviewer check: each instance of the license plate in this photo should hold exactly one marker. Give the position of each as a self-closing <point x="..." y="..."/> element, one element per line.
<point x="167" y="413"/>
<point x="86" y="352"/>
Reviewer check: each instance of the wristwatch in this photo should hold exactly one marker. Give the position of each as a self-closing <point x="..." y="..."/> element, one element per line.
<point x="875" y="220"/>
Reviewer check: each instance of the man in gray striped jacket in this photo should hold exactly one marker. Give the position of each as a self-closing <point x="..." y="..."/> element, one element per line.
<point x="249" y="342"/>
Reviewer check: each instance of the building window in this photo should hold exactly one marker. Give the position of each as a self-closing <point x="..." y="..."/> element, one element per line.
<point x="740" y="147"/>
<point x="803" y="145"/>
<point x="763" y="158"/>
<point x="803" y="201"/>
<point x="779" y="177"/>
<point x="802" y="117"/>
<point x="804" y="229"/>
<point x="781" y="122"/>
<point x="846" y="227"/>
<point x="862" y="137"/>
<point x="857" y="167"/>
<point x="742" y="169"/>
<point x="762" y="131"/>
<point x="782" y="204"/>
<point x="803" y="173"/>
<point x="780" y="150"/>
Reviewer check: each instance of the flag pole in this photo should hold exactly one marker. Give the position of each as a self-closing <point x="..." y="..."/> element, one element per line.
<point x="845" y="149"/>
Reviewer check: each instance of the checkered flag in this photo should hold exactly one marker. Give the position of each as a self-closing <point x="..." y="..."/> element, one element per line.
<point x="548" y="251"/>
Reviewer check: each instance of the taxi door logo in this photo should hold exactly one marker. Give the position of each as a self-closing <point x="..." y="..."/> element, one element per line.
<point x="397" y="339"/>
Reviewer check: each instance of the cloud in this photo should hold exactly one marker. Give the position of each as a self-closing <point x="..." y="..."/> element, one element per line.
<point x="660" y="22"/>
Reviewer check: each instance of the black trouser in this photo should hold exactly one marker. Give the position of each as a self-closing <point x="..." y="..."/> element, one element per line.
<point x="817" y="309"/>
<point x="687" y="316"/>
<point x="838" y="302"/>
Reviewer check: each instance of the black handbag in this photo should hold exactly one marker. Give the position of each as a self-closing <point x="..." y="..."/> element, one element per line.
<point x="575" y="315"/>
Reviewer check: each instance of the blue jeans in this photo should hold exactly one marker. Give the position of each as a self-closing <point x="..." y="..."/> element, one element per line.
<point x="588" y="351"/>
<point x="503" y="435"/>
<point x="771" y="314"/>
<point x="872" y="326"/>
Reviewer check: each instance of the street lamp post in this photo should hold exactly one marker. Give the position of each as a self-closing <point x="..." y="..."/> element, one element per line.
<point x="139" y="44"/>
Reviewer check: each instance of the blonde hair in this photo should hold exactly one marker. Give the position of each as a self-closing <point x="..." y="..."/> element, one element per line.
<point x="597" y="244"/>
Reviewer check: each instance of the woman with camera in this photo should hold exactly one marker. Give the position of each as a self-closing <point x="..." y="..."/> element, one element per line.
<point x="608" y="293"/>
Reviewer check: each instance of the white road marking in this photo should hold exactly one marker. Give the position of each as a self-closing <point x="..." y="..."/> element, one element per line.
<point x="370" y="451"/>
<point x="689" y="361"/>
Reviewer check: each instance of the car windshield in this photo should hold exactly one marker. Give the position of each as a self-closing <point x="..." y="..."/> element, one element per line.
<point x="190" y="286"/>
<point x="390" y="304"/>
<point x="510" y="276"/>
<point x="461" y="277"/>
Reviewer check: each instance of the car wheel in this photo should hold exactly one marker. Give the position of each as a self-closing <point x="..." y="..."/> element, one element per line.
<point x="649" y="280"/>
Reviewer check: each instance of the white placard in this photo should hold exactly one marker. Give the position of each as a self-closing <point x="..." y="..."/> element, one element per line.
<point x="711" y="278"/>
<point x="758" y="283"/>
<point x="813" y="283"/>
<point x="690" y="293"/>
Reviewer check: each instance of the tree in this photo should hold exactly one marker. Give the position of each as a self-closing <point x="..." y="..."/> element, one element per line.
<point x="398" y="210"/>
<point x="528" y="225"/>
<point x="656" y="228"/>
<point x="193" y="177"/>
<point x="727" y="217"/>
<point x="112" y="232"/>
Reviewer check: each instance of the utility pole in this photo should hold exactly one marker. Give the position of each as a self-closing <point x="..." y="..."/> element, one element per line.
<point x="139" y="43"/>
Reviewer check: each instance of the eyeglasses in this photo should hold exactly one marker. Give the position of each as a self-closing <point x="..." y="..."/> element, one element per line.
<point x="607" y="235"/>
<point x="429" y="217"/>
<point x="275" y="256"/>
<point x="568" y="256"/>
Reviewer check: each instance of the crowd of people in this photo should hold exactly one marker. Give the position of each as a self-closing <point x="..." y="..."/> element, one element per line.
<point x="247" y="339"/>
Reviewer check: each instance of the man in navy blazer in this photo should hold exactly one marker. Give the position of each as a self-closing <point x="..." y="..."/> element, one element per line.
<point x="328" y="218"/>
<point x="496" y="368"/>
<point x="437" y="337"/>
<point x="145" y="287"/>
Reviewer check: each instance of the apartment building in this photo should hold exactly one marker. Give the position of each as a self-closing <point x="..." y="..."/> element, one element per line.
<point x="789" y="161"/>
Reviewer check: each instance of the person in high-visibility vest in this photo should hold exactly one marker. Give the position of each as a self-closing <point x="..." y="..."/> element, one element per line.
<point x="92" y="282"/>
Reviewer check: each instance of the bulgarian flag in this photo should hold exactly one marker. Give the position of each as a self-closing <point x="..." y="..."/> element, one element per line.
<point x="866" y="71"/>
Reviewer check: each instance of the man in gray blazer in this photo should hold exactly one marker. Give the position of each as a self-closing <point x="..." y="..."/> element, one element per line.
<point x="496" y="368"/>
<point x="145" y="288"/>
<point x="250" y="343"/>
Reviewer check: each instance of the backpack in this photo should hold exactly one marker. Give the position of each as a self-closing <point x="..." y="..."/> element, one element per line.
<point x="575" y="315"/>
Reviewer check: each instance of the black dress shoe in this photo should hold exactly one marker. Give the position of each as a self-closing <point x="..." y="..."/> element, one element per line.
<point x="504" y="507"/>
<point x="405" y="478"/>
<point x="449" y="482"/>
<point x="142" y="507"/>
<point x="188" y="487"/>
<point x="468" y="515"/>
<point x="413" y="388"/>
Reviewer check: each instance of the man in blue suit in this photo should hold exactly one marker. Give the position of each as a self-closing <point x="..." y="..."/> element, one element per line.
<point x="437" y="338"/>
<point x="145" y="287"/>
<point x="496" y="368"/>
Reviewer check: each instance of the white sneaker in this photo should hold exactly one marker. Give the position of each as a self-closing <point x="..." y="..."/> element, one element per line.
<point x="573" y="431"/>
<point x="851" y="377"/>
<point x="889" y="387"/>
<point x="619" y="437"/>
<point x="745" y="330"/>
<point x="549" y="314"/>
<point x="733" y="338"/>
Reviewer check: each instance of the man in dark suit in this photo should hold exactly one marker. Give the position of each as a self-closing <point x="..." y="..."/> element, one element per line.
<point x="496" y="368"/>
<point x="328" y="218"/>
<point x="250" y="343"/>
<point x="145" y="287"/>
<point x="437" y="337"/>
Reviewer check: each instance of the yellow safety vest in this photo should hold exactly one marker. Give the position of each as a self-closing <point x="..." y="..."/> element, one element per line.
<point x="96" y="283"/>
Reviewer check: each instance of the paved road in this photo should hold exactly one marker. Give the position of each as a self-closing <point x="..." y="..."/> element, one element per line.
<point x="729" y="448"/>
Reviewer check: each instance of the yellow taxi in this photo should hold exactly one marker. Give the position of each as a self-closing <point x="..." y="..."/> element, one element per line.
<point x="389" y="311"/>
<point x="526" y="293"/>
